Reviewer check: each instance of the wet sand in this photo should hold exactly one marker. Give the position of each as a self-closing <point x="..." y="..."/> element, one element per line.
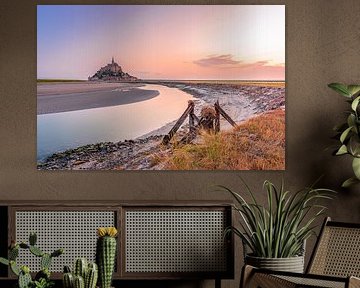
<point x="56" y="88"/>
<point x="64" y="97"/>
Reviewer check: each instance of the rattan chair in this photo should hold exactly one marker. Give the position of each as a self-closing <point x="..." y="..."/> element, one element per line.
<point x="335" y="262"/>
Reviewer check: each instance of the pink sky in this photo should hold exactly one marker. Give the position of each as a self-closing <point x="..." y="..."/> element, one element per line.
<point x="163" y="42"/>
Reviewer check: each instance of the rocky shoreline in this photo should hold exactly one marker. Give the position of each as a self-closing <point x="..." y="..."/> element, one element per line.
<point x="143" y="153"/>
<point x="125" y="155"/>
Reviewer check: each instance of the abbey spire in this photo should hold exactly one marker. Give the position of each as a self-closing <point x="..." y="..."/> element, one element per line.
<point x="112" y="72"/>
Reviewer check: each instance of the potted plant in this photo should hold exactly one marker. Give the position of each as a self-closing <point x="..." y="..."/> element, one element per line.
<point x="274" y="235"/>
<point x="42" y="278"/>
<point x="349" y="132"/>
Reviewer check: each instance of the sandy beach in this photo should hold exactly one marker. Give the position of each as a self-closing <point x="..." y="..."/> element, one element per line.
<point x="64" y="97"/>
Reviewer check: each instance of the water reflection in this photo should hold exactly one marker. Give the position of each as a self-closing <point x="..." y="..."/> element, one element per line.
<point x="60" y="131"/>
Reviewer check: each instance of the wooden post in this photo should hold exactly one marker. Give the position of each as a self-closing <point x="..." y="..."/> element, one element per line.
<point x="191" y="120"/>
<point x="177" y="125"/>
<point x="225" y="115"/>
<point x="217" y="118"/>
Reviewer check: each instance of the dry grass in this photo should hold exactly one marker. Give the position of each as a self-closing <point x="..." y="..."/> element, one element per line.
<point x="257" y="144"/>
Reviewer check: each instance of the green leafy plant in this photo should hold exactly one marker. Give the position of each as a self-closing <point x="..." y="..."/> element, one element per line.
<point x="280" y="229"/>
<point x="42" y="283"/>
<point x="349" y="131"/>
<point x="42" y="278"/>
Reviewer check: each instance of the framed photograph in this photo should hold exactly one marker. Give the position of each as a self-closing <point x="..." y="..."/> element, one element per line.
<point x="160" y="87"/>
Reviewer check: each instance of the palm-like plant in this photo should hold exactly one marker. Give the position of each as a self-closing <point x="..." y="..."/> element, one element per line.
<point x="280" y="229"/>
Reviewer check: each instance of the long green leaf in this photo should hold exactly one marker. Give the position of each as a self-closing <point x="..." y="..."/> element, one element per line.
<point x="340" y="88"/>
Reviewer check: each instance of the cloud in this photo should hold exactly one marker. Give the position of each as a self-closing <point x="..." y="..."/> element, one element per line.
<point x="226" y="66"/>
<point x="218" y="60"/>
<point x="227" y="61"/>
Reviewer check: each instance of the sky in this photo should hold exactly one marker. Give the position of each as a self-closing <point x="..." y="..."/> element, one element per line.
<point x="213" y="42"/>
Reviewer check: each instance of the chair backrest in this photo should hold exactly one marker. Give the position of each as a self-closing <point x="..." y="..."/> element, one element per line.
<point x="337" y="251"/>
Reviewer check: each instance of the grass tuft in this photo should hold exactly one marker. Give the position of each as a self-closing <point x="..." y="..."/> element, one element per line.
<point x="256" y="144"/>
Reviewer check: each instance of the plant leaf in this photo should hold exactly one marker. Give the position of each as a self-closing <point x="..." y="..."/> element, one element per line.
<point x="353" y="145"/>
<point x="351" y="119"/>
<point x="355" y="103"/>
<point x="353" y="89"/>
<point x="342" y="150"/>
<point x="356" y="167"/>
<point x="340" y="88"/>
<point x="349" y="182"/>
<point x="4" y="261"/>
<point x="345" y="134"/>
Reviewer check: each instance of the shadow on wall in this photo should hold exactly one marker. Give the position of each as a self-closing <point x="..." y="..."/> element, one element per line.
<point x="333" y="169"/>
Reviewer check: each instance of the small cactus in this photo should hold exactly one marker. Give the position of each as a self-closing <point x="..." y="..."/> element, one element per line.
<point x="4" y="261"/>
<point x="14" y="268"/>
<point x="68" y="278"/>
<point x="45" y="261"/>
<point x="57" y="253"/>
<point x="91" y="276"/>
<point x="81" y="266"/>
<point x="24" y="245"/>
<point x="24" y="279"/>
<point x="32" y="239"/>
<point x="36" y="251"/>
<point x="105" y="254"/>
<point x="89" y="272"/>
<point x="14" y="253"/>
<point x="79" y="282"/>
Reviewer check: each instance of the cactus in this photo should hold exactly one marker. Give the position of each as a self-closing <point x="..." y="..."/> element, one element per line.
<point x="90" y="272"/>
<point x="81" y="266"/>
<point x="24" y="278"/>
<point x="4" y="261"/>
<point x="32" y="239"/>
<point x="45" y="261"/>
<point x="36" y="251"/>
<point x="79" y="282"/>
<point x="57" y="253"/>
<point x="14" y="268"/>
<point x="68" y="278"/>
<point x="91" y="276"/>
<point x="43" y="274"/>
<point x="14" y="253"/>
<point x="105" y="254"/>
<point x="24" y="245"/>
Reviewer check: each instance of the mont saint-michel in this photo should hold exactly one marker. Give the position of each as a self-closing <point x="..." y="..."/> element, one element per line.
<point x="111" y="72"/>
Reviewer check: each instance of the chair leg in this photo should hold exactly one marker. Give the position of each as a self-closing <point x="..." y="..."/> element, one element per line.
<point x="217" y="282"/>
<point x="246" y="276"/>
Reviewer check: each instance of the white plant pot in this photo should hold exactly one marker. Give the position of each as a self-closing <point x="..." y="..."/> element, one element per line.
<point x="291" y="264"/>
